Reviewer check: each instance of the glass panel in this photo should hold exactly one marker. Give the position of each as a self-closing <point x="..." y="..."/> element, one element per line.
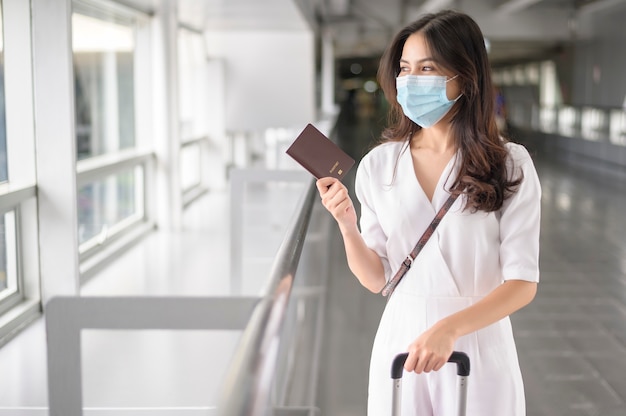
<point x="106" y="205"/>
<point x="507" y="77"/>
<point x="497" y="77"/>
<point x="3" y="131"/>
<point x="618" y="127"/>
<point x="532" y="73"/>
<point x="8" y="269"/>
<point x="190" y="165"/>
<point x="103" y="85"/>
<point x="548" y="119"/>
<point x="191" y="84"/>
<point x="519" y="75"/>
<point x="593" y="123"/>
<point x="549" y="86"/>
<point x="4" y="283"/>
<point x="568" y="121"/>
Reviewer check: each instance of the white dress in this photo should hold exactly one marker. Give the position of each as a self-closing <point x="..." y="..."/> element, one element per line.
<point x="469" y="255"/>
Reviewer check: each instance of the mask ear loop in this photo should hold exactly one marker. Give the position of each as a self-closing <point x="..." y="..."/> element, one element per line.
<point x="454" y="77"/>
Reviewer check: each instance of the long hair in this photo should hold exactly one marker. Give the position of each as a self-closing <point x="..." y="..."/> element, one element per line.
<point x="456" y="43"/>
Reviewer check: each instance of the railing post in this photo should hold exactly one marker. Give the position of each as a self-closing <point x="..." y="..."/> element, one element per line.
<point x="67" y="316"/>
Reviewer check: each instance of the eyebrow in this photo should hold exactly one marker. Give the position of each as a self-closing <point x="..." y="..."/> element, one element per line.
<point x="428" y="59"/>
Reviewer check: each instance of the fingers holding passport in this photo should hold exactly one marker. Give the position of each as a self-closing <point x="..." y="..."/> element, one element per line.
<point x="336" y="200"/>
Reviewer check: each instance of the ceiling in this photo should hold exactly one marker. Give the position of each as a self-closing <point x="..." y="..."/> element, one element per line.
<point x="516" y="30"/>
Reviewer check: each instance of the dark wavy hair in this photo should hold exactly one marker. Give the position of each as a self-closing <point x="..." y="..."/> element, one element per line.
<point x="456" y="43"/>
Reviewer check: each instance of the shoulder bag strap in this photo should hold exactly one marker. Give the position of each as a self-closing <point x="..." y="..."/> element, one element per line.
<point x="406" y="264"/>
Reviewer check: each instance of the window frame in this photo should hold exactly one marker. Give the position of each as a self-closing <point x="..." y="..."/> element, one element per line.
<point x="198" y="136"/>
<point x="19" y="192"/>
<point x="99" y="250"/>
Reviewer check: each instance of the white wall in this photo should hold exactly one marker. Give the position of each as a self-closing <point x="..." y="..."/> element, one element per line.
<point x="269" y="77"/>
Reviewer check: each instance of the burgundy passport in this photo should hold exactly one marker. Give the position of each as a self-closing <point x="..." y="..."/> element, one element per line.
<point x="319" y="155"/>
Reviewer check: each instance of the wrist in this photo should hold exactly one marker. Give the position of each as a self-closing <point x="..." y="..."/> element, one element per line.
<point x="348" y="230"/>
<point x="449" y="327"/>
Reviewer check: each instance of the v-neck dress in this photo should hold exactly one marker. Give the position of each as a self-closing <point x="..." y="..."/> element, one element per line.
<point x="468" y="256"/>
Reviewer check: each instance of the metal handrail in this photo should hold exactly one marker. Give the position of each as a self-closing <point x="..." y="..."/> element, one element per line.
<point x="247" y="387"/>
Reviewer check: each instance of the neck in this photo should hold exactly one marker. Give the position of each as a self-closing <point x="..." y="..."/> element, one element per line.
<point x="437" y="138"/>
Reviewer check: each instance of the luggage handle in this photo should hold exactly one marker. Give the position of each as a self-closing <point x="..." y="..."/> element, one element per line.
<point x="461" y="360"/>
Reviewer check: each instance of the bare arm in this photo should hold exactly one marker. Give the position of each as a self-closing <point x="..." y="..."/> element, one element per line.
<point x="431" y="349"/>
<point x="363" y="261"/>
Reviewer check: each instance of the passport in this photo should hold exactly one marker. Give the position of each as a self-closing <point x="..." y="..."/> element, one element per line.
<point x="319" y="155"/>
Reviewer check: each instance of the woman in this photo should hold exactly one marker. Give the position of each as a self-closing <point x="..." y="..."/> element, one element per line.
<point x="481" y="264"/>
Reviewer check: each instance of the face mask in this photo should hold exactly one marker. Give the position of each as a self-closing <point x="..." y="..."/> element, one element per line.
<point x="423" y="98"/>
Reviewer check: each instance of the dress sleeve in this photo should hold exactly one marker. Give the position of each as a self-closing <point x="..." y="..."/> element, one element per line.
<point x="371" y="229"/>
<point x="520" y="221"/>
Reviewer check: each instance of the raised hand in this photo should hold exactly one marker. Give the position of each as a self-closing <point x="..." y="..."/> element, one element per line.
<point x="337" y="201"/>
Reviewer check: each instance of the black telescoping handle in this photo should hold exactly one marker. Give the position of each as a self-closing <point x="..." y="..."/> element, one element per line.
<point x="461" y="360"/>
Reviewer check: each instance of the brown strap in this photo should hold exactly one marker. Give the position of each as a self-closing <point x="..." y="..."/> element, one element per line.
<point x="406" y="264"/>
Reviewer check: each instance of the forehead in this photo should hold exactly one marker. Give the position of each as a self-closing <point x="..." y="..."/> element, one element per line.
<point x="415" y="48"/>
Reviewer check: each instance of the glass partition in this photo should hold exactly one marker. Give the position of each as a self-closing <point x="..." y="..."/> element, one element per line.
<point x="3" y="131"/>
<point x="190" y="165"/>
<point x="193" y="111"/>
<point x="593" y="124"/>
<point x="569" y="120"/>
<point x="111" y="201"/>
<point x="548" y="117"/>
<point x="108" y="204"/>
<point x="104" y="85"/>
<point x="8" y="280"/>
<point x="548" y="113"/>
<point x="8" y="270"/>
<point x="617" y="128"/>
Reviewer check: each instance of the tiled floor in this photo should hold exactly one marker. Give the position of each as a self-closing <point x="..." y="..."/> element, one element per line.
<point x="571" y="339"/>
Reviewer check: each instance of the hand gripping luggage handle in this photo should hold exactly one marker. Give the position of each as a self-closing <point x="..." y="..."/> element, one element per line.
<point x="460" y="358"/>
<point x="462" y="369"/>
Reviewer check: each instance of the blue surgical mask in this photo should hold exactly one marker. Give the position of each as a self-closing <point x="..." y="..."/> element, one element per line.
<point x="423" y="98"/>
